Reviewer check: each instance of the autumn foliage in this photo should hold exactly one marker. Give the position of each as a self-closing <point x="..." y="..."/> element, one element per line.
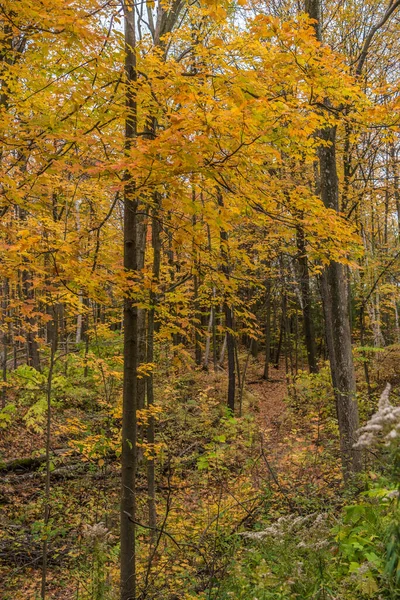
<point x="199" y="217"/>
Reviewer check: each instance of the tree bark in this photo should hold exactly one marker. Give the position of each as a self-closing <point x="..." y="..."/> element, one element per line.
<point x="151" y="481"/>
<point x="267" y="331"/>
<point x="230" y="340"/>
<point x="335" y="300"/>
<point x="308" y="322"/>
<point x="129" y="419"/>
<point x="48" y="453"/>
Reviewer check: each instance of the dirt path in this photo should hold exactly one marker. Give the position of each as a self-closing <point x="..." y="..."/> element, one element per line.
<point x="270" y="395"/>
<point x="293" y="443"/>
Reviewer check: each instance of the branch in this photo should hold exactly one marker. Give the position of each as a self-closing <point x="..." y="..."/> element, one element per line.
<point x="364" y="52"/>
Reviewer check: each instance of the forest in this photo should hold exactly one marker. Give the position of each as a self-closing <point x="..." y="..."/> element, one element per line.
<point x="200" y="298"/>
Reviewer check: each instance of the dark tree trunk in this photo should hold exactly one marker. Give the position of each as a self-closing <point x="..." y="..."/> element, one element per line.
<point x="230" y="340"/>
<point x="33" y="348"/>
<point x="267" y="331"/>
<point x="141" y="227"/>
<point x="197" y="313"/>
<point x="281" y="334"/>
<point x="129" y="423"/>
<point x="230" y="346"/>
<point x="5" y="301"/>
<point x="308" y="322"/>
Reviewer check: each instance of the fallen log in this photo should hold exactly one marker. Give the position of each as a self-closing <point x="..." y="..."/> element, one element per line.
<point x="23" y="465"/>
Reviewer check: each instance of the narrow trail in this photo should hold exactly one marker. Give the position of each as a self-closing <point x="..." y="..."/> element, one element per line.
<point x="271" y="395"/>
<point x="292" y="443"/>
<point x="275" y="421"/>
<point x="272" y="409"/>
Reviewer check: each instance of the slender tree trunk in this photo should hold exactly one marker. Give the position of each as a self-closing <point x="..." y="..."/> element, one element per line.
<point x="198" y="356"/>
<point x="141" y="226"/>
<point x="197" y="313"/>
<point x="33" y="348"/>
<point x="308" y="322"/>
<point x="6" y="331"/>
<point x="237" y="364"/>
<point x="364" y="353"/>
<point x="208" y="338"/>
<point x="223" y="350"/>
<point x="29" y="297"/>
<point x="79" y="321"/>
<point x="48" y="449"/>
<point x="230" y="344"/>
<point x="129" y="422"/>
<point x="243" y="377"/>
<point x="281" y="333"/>
<point x="267" y="331"/>
<point x="151" y="481"/>
<point x="230" y="340"/>
<point x="214" y="334"/>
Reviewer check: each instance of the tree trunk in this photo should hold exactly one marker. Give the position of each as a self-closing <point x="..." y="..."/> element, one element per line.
<point x="337" y="327"/>
<point x="267" y="331"/>
<point x="208" y="338"/>
<point x="151" y="482"/>
<point x="33" y="348"/>
<point x="141" y="227"/>
<point x="281" y="333"/>
<point x="230" y="344"/>
<point x="4" y="307"/>
<point x="129" y="422"/>
<point x="230" y="340"/>
<point x="308" y="322"/>
<point x="196" y="281"/>
<point x="48" y="451"/>
<point x="335" y="300"/>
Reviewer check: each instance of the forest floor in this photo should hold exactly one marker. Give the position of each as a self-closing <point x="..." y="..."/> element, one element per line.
<point x="283" y="460"/>
<point x="217" y="476"/>
<point x="293" y="440"/>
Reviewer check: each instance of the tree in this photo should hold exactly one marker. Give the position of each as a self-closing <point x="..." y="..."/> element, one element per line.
<point x="335" y="297"/>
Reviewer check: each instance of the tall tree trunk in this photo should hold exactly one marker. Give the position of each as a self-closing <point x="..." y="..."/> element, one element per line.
<point x="335" y="300"/>
<point x="230" y="344"/>
<point x="47" y="507"/>
<point x="281" y="333"/>
<point x="151" y="482"/>
<point x="337" y="320"/>
<point x="222" y="351"/>
<point x="5" y="301"/>
<point x="210" y="329"/>
<point x="267" y="330"/>
<point x="230" y="340"/>
<point x="141" y="233"/>
<point x="33" y="348"/>
<point x="196" y="281"/>
<point x="396" y="187"/>
<point x="308" y="322"/>
<point x="129" y="419"/>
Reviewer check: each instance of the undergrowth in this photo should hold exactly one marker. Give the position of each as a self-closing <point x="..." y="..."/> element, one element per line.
<point x="242" y="512"/>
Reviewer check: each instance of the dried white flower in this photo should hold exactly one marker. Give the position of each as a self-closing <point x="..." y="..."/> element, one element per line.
<point x="383" y="426"/>
<point x="310" y="526"/>
<point x="393" y="494"/>
<point x="97" y="532"/>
